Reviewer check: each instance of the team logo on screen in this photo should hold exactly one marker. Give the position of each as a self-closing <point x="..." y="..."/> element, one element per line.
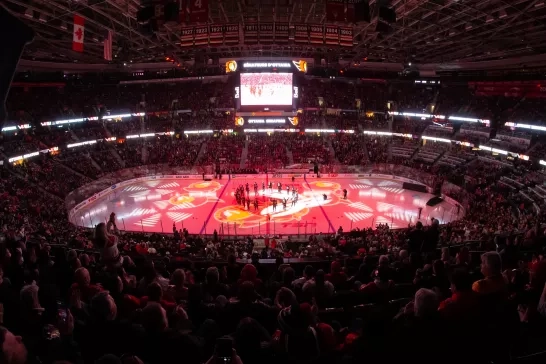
<point x="301" y="65"/>
<point x="294" y="121"/>
<point x="231" y="66"/>
<point x="239" y="121"/>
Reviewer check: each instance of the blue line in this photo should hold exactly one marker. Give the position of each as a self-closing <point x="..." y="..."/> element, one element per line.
<point x="321" y="208"/>
<point x="214" y="206"/>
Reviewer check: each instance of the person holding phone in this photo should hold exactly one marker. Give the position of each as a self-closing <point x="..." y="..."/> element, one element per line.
<point x="224" y="353"/>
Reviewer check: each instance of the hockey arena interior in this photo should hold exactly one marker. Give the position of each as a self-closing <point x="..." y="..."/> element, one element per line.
<point x="266" y="181"/>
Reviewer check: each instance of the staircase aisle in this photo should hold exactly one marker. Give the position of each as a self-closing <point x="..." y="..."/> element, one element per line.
<point x="88" y="155"/>
<point x="290" y="156"/>
<point x="70" y="169"/>
<point x="244" y="155"/>
<point x="331" y="149"/>
<point x="438" y="158"/>
<point x="38" y="187"/>
<point x="202" y="152"/>
<point x="113" y="150"/>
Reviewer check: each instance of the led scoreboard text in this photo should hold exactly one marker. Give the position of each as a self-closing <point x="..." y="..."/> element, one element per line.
<point x="267" y="65"/>
<point x="292" y="120"/>
<point x="266" y="121"/>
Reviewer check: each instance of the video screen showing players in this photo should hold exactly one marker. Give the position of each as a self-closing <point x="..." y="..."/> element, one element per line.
<point x="264" y="89"/>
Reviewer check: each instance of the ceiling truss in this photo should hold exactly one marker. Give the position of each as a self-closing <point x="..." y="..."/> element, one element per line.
<point x="426" y="31"/>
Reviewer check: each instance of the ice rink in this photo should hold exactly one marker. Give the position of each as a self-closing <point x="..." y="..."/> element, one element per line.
<point x="203" y="206"/>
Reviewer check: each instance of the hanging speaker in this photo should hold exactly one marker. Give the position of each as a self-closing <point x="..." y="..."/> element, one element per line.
<point x="145" y="14"/>
<point x="172" y="12"/>
<point x="387" y="15"/>
<point x="362" y="11"/>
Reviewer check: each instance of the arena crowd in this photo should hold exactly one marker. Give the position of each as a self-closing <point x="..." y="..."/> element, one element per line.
<point x="471" y="290"/>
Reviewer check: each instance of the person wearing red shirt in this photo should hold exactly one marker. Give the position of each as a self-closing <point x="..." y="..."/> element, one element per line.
<point x="381" y="289"/>
<point x="155" y="294"/>
<point x="463" y="302"/>
<point x="83" y="285"/>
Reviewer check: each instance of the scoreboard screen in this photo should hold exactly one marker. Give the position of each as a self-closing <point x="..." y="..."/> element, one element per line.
<point x="266" y="89"/>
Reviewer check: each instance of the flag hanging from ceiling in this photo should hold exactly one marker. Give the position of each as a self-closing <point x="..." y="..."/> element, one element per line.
<point x="79" y="32"/>
<point x="108" y="46"/>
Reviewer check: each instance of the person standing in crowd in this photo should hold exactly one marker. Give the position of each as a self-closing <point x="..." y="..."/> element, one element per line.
<point x="108" y="246"/>
<point x="111" y="227"/>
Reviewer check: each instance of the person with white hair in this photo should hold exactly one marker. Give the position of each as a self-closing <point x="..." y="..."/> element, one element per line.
<point x="425" y="303"/>
<point x="493" y="281"/>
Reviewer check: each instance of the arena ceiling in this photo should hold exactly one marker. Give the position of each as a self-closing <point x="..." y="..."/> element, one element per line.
<point x="426" y="31"/>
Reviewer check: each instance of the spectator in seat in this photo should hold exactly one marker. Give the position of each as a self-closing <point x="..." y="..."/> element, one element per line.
<point x="381" y="289"/>
<point x="318" y="288"/>
<point x="178" y="290"/>
<point x="212" y="287"/>
<point x="12" y="348"/>
<point x="155" y="294"/>
<point x="337" y="277"/>
<point x="365" y="270"/>
<point x="248" y="304"/>
<point x="252" y="341"/>
<point x="151" y="275"/>
<point x="102" y="333"/>
<point x="463" y="302"/>
<point x="299" y="339"/>
<point x="285" y="298"/>
<point x="31" y="316"/>
<point x="439" y="279"/>
<point x="462" y="259"/>
<point x="308" y="273"/>
<point x="233" y="270"/>
<point x="249" y="273"/>
<point x="164" y="345"/>
<point x="83" y="286"/>
<point x="494" y="282"/>
<point x="288" y="276"/>
<point x="417" y="327"/>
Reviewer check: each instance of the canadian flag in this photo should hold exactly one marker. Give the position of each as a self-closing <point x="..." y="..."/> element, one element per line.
<point x="79" y="32"/>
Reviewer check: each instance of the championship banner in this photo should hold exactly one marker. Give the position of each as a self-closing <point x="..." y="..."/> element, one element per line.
<point x="316" y="34"/>
<point x="331" y="35"/>
<point x="201" y="35"/>
<point x="186" y="37"/>
<point x="281" y="32"/>
<point x="266" y="33"/>
<point x="335" y="11"/>
<point x="301" y="34"/>
<point x="216" y="34"/>
<point x="231" y="34"/>
<point x="199" y="11"/>
<point x="250" y="32"/>
<point x="346" y="37"/>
